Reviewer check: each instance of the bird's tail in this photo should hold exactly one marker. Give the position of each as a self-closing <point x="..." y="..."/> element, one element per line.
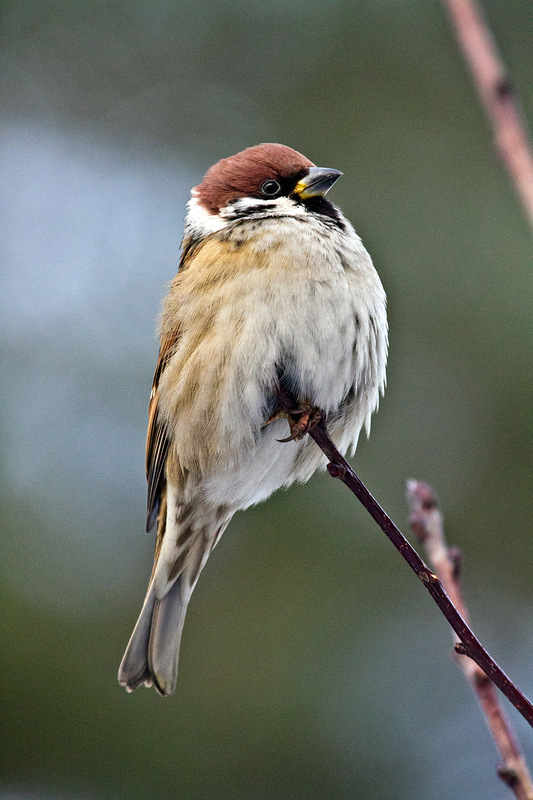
<point x="185" y="539"/>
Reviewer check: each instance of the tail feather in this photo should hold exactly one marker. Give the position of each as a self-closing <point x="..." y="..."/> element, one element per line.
<point x="152" y="654"/>
<point x="165" y="638"/>
<point x="134" y="670"/>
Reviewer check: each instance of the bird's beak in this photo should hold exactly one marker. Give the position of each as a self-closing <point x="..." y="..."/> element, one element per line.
<point x="317" y="182"/>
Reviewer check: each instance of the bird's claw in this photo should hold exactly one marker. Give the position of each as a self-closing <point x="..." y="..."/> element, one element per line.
<point x="307" y="419"/>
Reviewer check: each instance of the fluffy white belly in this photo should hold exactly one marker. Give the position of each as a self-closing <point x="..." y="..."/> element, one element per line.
<point x="265" y="468"/>
<point x="312" y="354"/>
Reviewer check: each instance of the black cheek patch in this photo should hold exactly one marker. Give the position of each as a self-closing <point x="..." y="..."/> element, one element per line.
<point x="247" y="211"/>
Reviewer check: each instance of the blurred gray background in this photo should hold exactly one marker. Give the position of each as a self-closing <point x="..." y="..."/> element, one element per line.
<point x="313" y="663"/>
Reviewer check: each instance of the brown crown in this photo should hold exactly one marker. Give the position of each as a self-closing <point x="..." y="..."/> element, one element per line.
<point x="241" y="175"/>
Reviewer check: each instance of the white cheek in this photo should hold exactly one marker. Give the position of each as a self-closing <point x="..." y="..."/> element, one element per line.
<point x="199" y="222"/>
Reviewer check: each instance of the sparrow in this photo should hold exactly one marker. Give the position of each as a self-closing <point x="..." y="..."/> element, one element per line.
<point x="274" y="290"/>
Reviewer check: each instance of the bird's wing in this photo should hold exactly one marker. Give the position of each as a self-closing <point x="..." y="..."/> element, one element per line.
<point x="157" y="437"/>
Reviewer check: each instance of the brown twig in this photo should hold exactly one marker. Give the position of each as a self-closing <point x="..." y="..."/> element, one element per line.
<point x="339" y="468"/>
<point x="425" y="519"/>
<point x="497" y="95"/>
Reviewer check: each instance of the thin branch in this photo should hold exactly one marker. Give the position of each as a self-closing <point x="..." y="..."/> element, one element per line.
<point x="497" y="95"/>
<point x="426" y="523"/>
<point x="339" y="468"/>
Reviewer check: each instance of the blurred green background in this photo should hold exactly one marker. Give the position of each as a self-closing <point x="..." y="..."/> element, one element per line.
<point x="313" y="663"/>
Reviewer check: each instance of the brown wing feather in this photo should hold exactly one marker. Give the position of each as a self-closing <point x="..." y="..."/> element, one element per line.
<point x="157" y="439"/>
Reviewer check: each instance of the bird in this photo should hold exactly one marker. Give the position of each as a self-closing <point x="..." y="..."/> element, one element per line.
<point x="274" y="290"/>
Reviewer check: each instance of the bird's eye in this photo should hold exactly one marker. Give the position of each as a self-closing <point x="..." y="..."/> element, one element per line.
<point x="270" y="188"/>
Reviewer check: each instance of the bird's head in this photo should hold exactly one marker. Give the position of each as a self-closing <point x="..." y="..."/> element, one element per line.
<point x="265" y="180"/>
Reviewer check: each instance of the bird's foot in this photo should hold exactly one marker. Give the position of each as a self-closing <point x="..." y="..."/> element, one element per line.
<point x="307" y="418"/>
